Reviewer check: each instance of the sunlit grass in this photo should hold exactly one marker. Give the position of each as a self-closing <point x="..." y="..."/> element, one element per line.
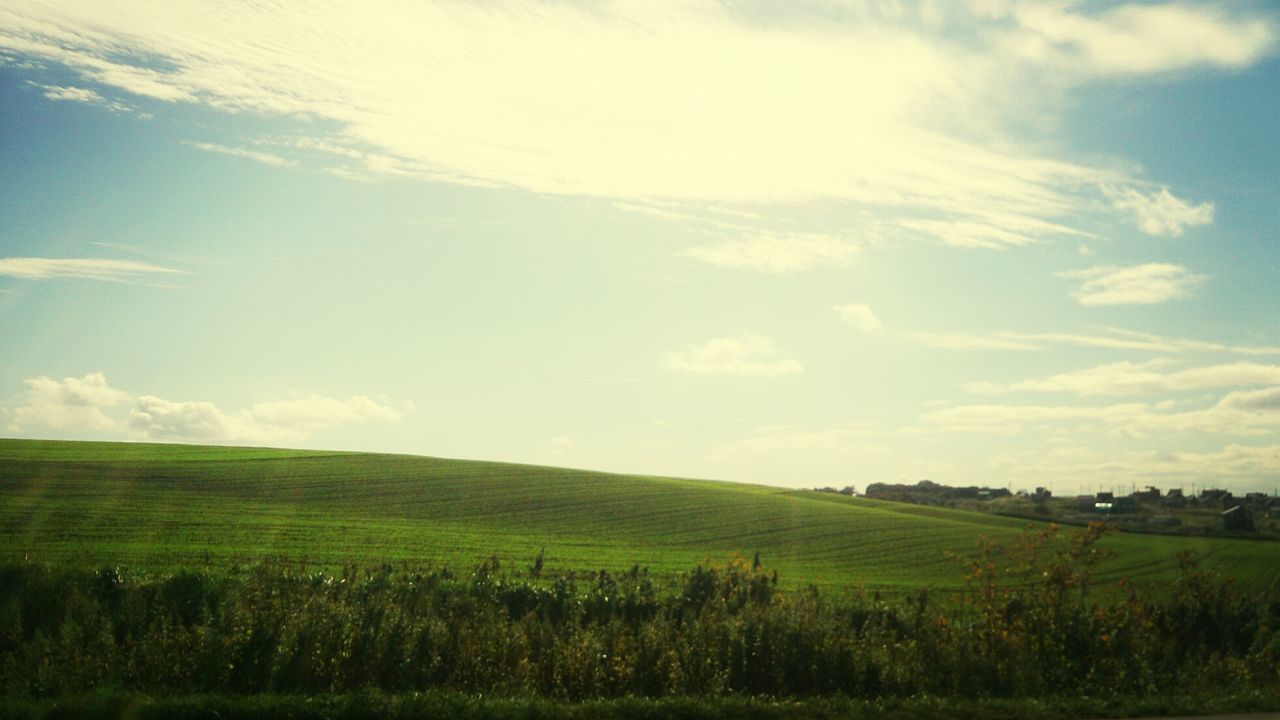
<point x="162" y="507"/>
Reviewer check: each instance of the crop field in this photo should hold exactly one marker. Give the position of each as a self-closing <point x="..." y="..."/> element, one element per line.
<point x="157" y="508"/>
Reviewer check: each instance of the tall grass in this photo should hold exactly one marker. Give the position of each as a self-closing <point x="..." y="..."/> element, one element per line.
<point x="1032" y="622"/>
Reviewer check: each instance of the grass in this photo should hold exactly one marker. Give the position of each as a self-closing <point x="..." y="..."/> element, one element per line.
<point x="159" y="508"/>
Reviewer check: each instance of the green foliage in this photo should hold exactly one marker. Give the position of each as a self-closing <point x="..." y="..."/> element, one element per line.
<point x="435" y="705"/>
<point x="1033" y="621"/>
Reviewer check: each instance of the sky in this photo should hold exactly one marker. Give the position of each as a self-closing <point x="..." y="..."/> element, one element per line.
<point x="822" y="242"/>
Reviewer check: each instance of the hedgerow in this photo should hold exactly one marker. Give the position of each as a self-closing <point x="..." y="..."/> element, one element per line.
<point x="1032" y="622"/>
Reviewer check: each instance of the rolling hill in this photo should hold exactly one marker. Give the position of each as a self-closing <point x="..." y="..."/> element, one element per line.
<point x="160" y="507"/>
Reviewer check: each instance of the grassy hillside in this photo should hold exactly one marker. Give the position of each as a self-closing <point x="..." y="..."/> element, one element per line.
<point x="159" y="507"/>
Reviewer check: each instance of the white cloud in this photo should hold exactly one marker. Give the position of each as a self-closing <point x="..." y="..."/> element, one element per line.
<point x="774" y="254"/>
<point x="1135" y="39"/>
<point x="280" y="421"/>
<point x="1160" y="213"/>
<point x="155" y="418"/>
<point x="858" y="315"/>
<point x="734" y="356"/>
<point x="1128" y="378"/>
<point x="1147" y="284"/>
<point x="701" y="103"/>
<point x="88" y="404"/>
<point x="256" y="155"/>
<point x="68" y="404"/>
<point x="31" y="268"/>
<point x="72" y="94"/>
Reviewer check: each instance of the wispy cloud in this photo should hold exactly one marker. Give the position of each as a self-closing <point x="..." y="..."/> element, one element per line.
<point x="1234" y="466"/>
<point x="1242" y="412"/>
<point x="1147" y="284"/>
<point x="1160" y="213"/>
<point x="1145" y="378"/>
<point x="859" y="315"/>
<point x="791" y="449"/>
<point x="33" y="268"/>
<point x="748" y="355"/>
<point x="1109" y="338"/>
<point x="775" y="254"/>
<point x="700" y="103"/>
<point x="992" y="231"/>
<point x="966" y="341"/>
<point x="265" y="158"/>
<point x="82" y="95"/>
<point x="73" y="94"/>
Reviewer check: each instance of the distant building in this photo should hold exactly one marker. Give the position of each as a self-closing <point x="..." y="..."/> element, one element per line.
<point x="1151" y="494"/>
<point x="1104" y="502"/>
<point x="1237" y="518"/>
<point x="1222" y="498"/>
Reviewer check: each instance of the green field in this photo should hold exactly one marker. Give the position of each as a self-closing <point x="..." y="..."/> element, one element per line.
<point x="155" y="508"/>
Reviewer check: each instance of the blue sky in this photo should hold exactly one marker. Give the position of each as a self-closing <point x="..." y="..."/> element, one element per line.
<point x="788" y="243"/>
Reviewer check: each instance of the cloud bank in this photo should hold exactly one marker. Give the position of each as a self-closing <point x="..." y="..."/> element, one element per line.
<point x="88" y="404"/>
<point x="69" y="404"/>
